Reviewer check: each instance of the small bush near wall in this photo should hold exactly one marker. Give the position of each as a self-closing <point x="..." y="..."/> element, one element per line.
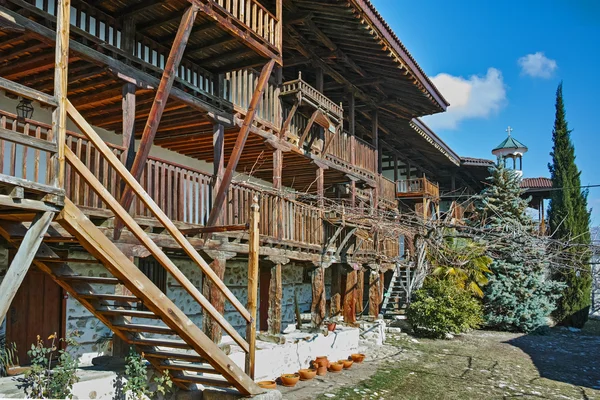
<point x="440" y="308"/>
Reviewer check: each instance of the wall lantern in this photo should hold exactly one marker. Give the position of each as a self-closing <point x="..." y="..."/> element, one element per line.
<point x="24" y="110"/>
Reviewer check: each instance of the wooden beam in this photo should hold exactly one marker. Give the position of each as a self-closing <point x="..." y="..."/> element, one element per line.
<point x="350" y="297"/>
<point x="128" y="106"/>
<point x="212" y="229"/>
<point x="26" y="92"/>
<point x="61" y="79"/>
<point x="28" y="141"/>
<point x="238" y="148"/>
<point x="309" y="125"/>
<point x="373" y="293"/>
<point x="360" y="290"/>
<point x="22" y="261"/>
<point x="158" y="107"/>
<point x="275" y="297"/>
<point x="253" y="250"/>
<point x="210" y="327"/>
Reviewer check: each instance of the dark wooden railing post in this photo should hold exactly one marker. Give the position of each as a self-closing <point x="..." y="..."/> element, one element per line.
<point x="253" y="249"/>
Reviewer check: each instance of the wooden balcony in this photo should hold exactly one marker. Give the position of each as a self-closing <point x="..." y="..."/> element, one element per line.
<point x="417" y="188"/>
<point x="307" y="94"/>
<point x="387" y="192"/>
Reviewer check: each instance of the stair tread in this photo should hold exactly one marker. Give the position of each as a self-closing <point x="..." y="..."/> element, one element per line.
<point x="167" y="355"/>
<point x="103" y="296"/>
<point x="130" y="313"/>
<point x="178" y="344"/>
<point x="89" y="279"/>
<point x="165" y="330"/>
<point x="187" y="366"/>
<point x="203" y="380"/>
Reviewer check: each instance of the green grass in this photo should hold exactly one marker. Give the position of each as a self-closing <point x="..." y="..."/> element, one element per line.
<point x="484" y="365"/>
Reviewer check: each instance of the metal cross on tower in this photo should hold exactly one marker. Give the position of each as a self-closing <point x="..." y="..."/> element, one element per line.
<point x="509" y="130"/>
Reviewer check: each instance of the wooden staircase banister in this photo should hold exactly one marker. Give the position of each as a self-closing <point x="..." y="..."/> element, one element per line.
<point x="114" y="161"/>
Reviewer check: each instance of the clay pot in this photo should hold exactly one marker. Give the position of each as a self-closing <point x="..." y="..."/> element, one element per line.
<point x="307" y="374"/>
<point x="322" y="361"/>
<point x="357" y="358"/>
<point x="289" y="380"/>
<point x="322" y="370"/>
<point x="347" y="363"/>
<point x="336" y="367"/>
<point x="268" y="384"/>
<point x="16" y="370"/>
<point x="331" y="326"/>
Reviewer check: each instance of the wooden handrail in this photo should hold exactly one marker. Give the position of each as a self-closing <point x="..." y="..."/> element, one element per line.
<point x="159" y="214"/>
<point x="27" y="92"/>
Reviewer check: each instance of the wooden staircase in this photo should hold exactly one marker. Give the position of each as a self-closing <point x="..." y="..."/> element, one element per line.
<point x="395" y="299"/>
<point x="144" y="316"/>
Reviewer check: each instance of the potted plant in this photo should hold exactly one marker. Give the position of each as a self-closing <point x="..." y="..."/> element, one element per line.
<point x="9" y="361"/>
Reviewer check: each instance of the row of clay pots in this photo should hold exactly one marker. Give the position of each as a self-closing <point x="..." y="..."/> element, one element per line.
<point x="320" y="367"/>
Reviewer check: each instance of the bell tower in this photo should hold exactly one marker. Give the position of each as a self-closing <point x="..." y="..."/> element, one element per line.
<point x="511" y="148"/>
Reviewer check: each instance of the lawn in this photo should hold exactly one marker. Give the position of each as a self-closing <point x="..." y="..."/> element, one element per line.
<point x="488" y="365"/>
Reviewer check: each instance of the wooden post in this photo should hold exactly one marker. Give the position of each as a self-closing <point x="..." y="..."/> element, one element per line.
<point x="239" y="143"/>
<point x="373" y="294"/>
<point x="317" y="308"/>
<point x="350" y="297"/>
<point x="211" y="328"/>
<point x="335" y="306"/>
<point x="396" y="175"/>
<point x="320" y="188"/>
<point x="375" y="139"/>
<point x="360" y="285"/>
<point x="253" y="249"/>
<point x="277" y="172"/>
<point x="219" y="156"/>
<point x="319" y="81"/>
<point x="128" y="106"/>
<point x="22" y="261"/>
<point x="61" y="66"/>
<point x="351" y="116"/>
<point x="275" y="297"/>
<point x="158" y="106"/>
<point x="279" y="15"/>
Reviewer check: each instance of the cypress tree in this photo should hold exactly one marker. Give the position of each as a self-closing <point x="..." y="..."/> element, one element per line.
<point x="569" y="220"/>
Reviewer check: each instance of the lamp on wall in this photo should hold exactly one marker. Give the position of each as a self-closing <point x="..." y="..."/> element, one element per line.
<point x="24" y="110"/>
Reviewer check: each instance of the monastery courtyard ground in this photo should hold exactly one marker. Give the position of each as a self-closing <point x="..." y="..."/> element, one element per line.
<point x="480" y="365"/>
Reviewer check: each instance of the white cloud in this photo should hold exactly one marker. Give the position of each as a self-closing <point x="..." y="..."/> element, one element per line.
<point x="475" y="97"/>
<point x="537" y="65"/>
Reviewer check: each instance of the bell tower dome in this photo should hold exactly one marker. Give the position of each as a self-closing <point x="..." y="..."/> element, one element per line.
<point x="511" y="148"/>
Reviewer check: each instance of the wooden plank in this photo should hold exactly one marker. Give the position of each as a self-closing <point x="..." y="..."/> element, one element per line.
<point x="158" y="106"/>
<point x="161" y="330"/>
<point x="157" y="253"/>
<point x="103" y="249"/>
<point x="184" y="366"/>
<point x="253" y="250"/>
<point x="238" y="148"/>
<point x="153" y="207"/>
<point x="22" y="261"/>
<point x="27" y="92"/>
<point x="61" y="79"/>
<point x="211" y="229"/>
<point x="125" y="312"/>
<point x="27" y="140"/>
<point x="30" y="186"/>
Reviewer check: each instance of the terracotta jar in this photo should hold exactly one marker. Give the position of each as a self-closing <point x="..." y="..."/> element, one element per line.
<point x="331" y="326"/>
<point x="289" y="380"/>
<point x="336" y="367"/>
<point x="358" y="358"/>
<point x="267" y="384"/>
<point x="322" y="361"/>
<point x="347" y="363"/>
<point x="307" y="374"/>
<point x="322" y="370"/>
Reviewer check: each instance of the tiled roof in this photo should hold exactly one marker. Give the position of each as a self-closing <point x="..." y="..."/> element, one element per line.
<point x="477" y="162"/>
<point x="536" y="183"/>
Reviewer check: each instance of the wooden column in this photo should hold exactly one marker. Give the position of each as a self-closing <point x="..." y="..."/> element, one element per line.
<point x="128" y="107"/>
<point x="278" y="208"/>
<point x="352" y="115"/>
<point x="158" y="106"/>
<point x="240" y="142"/>
<point x="317" y="308"/>
<point x="20" y="264"/>
<point x="320" y="188"/>
<point x="335" y="306"/>
<point x="253" y="250"/>
<point x="375" y="134"/>
<point x="373" y="293"/>
<point x="350" y="297"/>
<point x="61" y="66"/>
<point x="396" y="175"/>
<point x="275" y="298"/>
<point x="360" y="286"/>
<point x="218" y="156"/>
<point x="319" y="85"/>
<point x="213" y="294"/>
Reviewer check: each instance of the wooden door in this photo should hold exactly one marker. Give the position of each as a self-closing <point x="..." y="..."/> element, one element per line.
<point x="263" y="305"/>
<point x="37" y="309"/>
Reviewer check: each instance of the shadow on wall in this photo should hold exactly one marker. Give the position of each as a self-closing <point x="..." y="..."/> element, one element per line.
<point x="564" y="356"/>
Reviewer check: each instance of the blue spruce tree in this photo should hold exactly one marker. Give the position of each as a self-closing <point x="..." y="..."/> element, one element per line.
<point x="520" y="294"/>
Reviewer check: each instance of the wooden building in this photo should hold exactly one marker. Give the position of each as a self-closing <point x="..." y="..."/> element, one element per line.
<point x="135" y="135"/>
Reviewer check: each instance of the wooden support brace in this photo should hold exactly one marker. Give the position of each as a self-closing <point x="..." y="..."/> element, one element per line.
<point x="158" y="106"/>
<point x="288" y="120"/>
<point x="22" y="261"/>
<point x="215" y="213"/>
<point x="309" y="125"/>
<point x="253" y="249"/>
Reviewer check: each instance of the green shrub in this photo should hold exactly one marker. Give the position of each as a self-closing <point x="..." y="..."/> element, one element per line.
<point x="440" y="307"/>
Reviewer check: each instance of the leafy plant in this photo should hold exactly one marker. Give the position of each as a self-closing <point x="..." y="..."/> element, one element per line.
<point x="463" y="261"/>
<point x="9" y="357"/>
<point x="441" y="307"/>
<point x="136" y="379"/>
<point x="44" y="382"/>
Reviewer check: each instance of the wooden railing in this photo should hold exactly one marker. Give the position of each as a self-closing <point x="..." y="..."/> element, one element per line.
<point x="256" y="17"/>
<point x="417" y="187"/>
<point x="313" y="97"/>
<point x="339" y="151"/>
<point x="364" y="155"/>
<point x="387" y="191"/>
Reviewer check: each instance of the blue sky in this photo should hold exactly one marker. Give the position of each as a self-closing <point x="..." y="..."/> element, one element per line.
<point x="499" y="63"/>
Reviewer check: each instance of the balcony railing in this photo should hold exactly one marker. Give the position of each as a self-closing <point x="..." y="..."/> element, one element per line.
<point x="312" y="96"/>
<point x="387" y="192"/>
<point x="417" y="187"/>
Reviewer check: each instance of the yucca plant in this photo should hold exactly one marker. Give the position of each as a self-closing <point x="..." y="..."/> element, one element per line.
<point x="462" y="261"/>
